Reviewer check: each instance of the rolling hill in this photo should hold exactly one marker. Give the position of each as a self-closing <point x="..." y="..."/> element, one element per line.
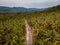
<point x="45" y="26"/>
<point x="4" y="9"/>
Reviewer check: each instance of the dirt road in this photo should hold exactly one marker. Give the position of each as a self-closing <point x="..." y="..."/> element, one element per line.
<point x="29" y="37"/>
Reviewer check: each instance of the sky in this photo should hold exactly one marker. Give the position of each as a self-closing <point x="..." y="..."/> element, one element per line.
<point x="30" y="3"/>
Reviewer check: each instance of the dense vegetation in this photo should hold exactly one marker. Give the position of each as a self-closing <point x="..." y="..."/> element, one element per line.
<point x="45" y="24"/>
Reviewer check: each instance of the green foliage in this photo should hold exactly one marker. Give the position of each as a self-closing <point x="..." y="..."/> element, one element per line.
<point x="46" y="28"/>
<point x="12" y="30"/>
<point x="45" y="24"/>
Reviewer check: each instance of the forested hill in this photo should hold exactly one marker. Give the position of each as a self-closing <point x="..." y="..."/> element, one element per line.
<point x="44" y="24"/>
<point x="4" y="9"/>
<point x="55" y="8"/>
<point x="49" y="9"/>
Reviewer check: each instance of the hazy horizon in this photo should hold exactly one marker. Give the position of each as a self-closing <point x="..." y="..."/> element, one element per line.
<point x="29" y="3"/>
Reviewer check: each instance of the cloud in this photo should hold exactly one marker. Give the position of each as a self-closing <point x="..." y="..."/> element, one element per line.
<point x="44" y="4"/>
<point x="29" y="3"/>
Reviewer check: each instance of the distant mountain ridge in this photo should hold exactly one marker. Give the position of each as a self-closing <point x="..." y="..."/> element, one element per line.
<point x="4" y="9"/>
<point x="17" y="9"/>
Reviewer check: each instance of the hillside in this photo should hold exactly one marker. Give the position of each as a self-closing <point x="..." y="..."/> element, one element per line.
<point x="4" y="9"/>
<point x="55" y="8"/>
<point x="44" y="24"/>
